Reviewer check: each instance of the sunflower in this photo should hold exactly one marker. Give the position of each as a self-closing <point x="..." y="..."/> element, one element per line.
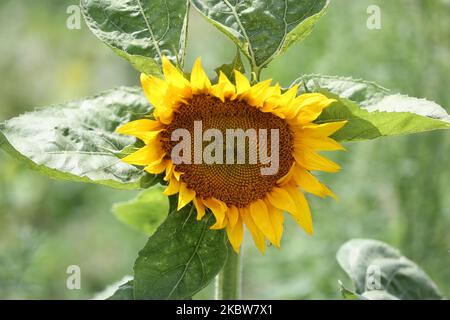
<point x="236" y="194"/>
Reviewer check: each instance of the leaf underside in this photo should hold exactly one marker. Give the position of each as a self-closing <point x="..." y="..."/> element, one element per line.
<point x="77" y="141"/>
<point x="373" y="111"/>
<point x="400" y="278"/>
<point x="140" y="31"/>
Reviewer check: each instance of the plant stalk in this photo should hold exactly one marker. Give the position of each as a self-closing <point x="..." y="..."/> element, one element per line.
<point x="255" y="75"/>
<point x="228" y="282"/>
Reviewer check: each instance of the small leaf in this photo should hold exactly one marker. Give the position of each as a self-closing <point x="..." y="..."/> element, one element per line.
<point x="140" y="31"/>
<point x="373" y="111"/>
<point x="368" y="295"/>
<point x="262" y="29"/>
<point x="125" y="292"/>
<point x="181" y="257"/>
<point x="348" y="294"/>
<point x="77" y="141"/>
<point x="375" y="266"/>
<point x="228" y="68"/>
<point x="149" y="180"/>
<point x="144" y="213"/>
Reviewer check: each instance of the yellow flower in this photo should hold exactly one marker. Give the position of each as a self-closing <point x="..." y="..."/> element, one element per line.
<point x="237" y="194"/>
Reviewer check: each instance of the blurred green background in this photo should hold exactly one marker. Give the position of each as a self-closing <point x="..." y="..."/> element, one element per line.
<point x="395" y="189"/>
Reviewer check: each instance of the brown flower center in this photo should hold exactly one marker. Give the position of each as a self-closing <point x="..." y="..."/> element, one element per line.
<point x="234" y="183"/>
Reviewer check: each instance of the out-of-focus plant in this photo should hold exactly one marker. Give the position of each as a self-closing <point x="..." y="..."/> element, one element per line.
<point x="380" y="272"/>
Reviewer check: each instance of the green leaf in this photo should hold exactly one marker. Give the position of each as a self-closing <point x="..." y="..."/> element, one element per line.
<point x="125" y="292"/>
<point x="368" y="295"/>
<point x="77" y="141"/>
<point x="373" y="111"/>
<point x="140" y="31"/>
<point x="181" y="257"/>
<point x="117" y="291"/>
<point x="262" y="29"/>
<point x="375" y="266"/>
<point x="378" y="295"/>
<point x="228" y="68"/>
<point x="348" y="294"/>
<point x="144" y="213"/>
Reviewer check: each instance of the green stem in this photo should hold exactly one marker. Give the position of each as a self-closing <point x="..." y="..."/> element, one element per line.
<point x="228" y="282"/>
<point x="255" y="75"/>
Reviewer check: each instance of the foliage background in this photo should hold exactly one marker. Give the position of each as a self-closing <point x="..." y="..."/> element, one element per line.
<point x="395" y="189"/>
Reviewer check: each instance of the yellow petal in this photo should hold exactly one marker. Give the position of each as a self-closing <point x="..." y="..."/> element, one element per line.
<point x="318" y="143"/>
<point x="301" y="100"/>
<point x="185" y="196"/>
<point x="144" y="129"/>
<point x="148" y="137"/>
<point x="175" y="96"/>
<point x="199" y="80"/>
<point x="281" y="199"/>
<point x="305" y="180"/>
<point x="220" y="225"/>
<point x="287" y="177"/>
<point x="271" y="101"/>
<point x="242" y="83"/>
<point x="173" y="75"/>
<point x="302" y="214"/>
<point x="277" y="219"/>
<point x="309" y="183"/>
<point x="172" y="188"/>
<point x="139" y="126"/>
<point x="324" y="129"/>
<point x="224" y="89"/>
<point x="260" y="215"/>
<point x="200" y="208"/>
<point x="228" y="88"/>
<point x="311" y="108"/>
<point x="156" y="167"/>
<point x="155" y="90"/>
<point x="236" y="234"/>
<point x="176" y="174"/>
<point x="169" y="171"/>
<point x="257" y="93"/>
<point x="257" y="235"/>
<point x="233" y="215"/>
<point x="165" y="115"/>
<point x="295" y="104"/>
<point x="217" y="207"/>
<point x="217" y="91"/>
<point x="146" y="155"/>
<point x="310" y="160"/>
<point x="287" y="97"/>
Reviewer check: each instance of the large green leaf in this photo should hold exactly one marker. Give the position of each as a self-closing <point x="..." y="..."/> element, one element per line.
<point x="141" y="31"/>
<point x="144" y="213"/>
<point x="368" y="261"/>
<point x="77" y="140"/>
<point x="263" y="28"/>
<point x="373" y="111"/>
<point x="181" y="257"/>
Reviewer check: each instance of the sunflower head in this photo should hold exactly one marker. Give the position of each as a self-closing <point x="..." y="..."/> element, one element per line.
<point x="245" y="152"/>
